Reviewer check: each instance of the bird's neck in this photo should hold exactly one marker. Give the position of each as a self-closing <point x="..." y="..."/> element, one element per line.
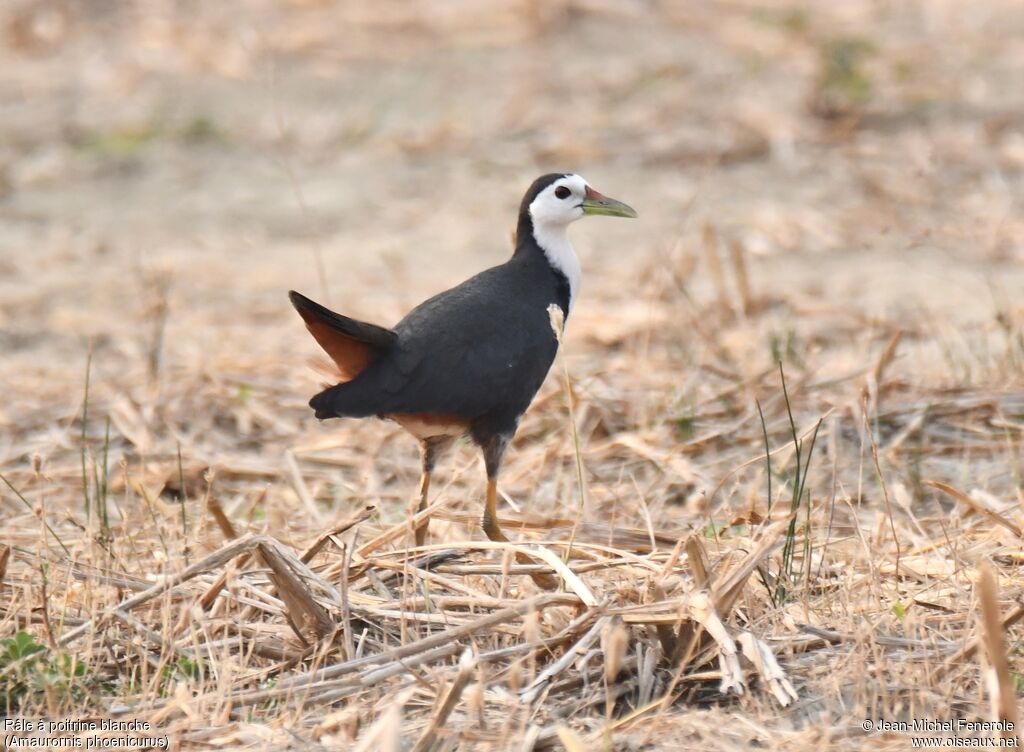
<point x="552" y="239"/>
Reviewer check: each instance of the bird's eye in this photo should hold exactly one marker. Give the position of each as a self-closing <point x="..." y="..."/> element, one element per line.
<point x="562" y="192"/>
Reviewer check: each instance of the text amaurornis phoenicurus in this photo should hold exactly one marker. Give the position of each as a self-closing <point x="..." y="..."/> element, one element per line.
<point x="469" y="360"/>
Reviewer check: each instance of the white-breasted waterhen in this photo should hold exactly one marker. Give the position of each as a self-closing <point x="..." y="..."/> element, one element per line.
<point x="469" y="360"/>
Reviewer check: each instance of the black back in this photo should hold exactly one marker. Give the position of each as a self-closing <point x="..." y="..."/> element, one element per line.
<point x="479" y="351"/>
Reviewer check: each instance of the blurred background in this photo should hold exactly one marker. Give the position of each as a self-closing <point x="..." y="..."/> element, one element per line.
<point x="834" y="186"/>
<point x="812" y="178"/>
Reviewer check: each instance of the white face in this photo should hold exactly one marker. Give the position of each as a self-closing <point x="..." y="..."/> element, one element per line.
<point x="559" y="203"/>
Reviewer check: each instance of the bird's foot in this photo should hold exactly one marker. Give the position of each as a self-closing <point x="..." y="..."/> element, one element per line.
<point x="542" y="579"/>
<point x="421" y="532"/>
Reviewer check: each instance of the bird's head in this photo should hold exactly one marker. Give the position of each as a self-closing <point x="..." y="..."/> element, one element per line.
<point x="559" y="199"/>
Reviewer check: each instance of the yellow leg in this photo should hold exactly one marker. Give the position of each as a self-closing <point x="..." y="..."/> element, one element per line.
<point x="421" y="530"/>
<point x="430" y="449"/>
<point x="490" y="521"/>
<point x="494" y="533"/>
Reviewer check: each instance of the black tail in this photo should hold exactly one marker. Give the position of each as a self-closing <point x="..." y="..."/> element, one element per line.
<point x="353" y="345"/>
<point x="371" y="334"/>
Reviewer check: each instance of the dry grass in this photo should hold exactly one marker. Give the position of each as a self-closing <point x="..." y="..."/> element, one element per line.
<point x="873" y="612"/>
<point x="752" y="560"/>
